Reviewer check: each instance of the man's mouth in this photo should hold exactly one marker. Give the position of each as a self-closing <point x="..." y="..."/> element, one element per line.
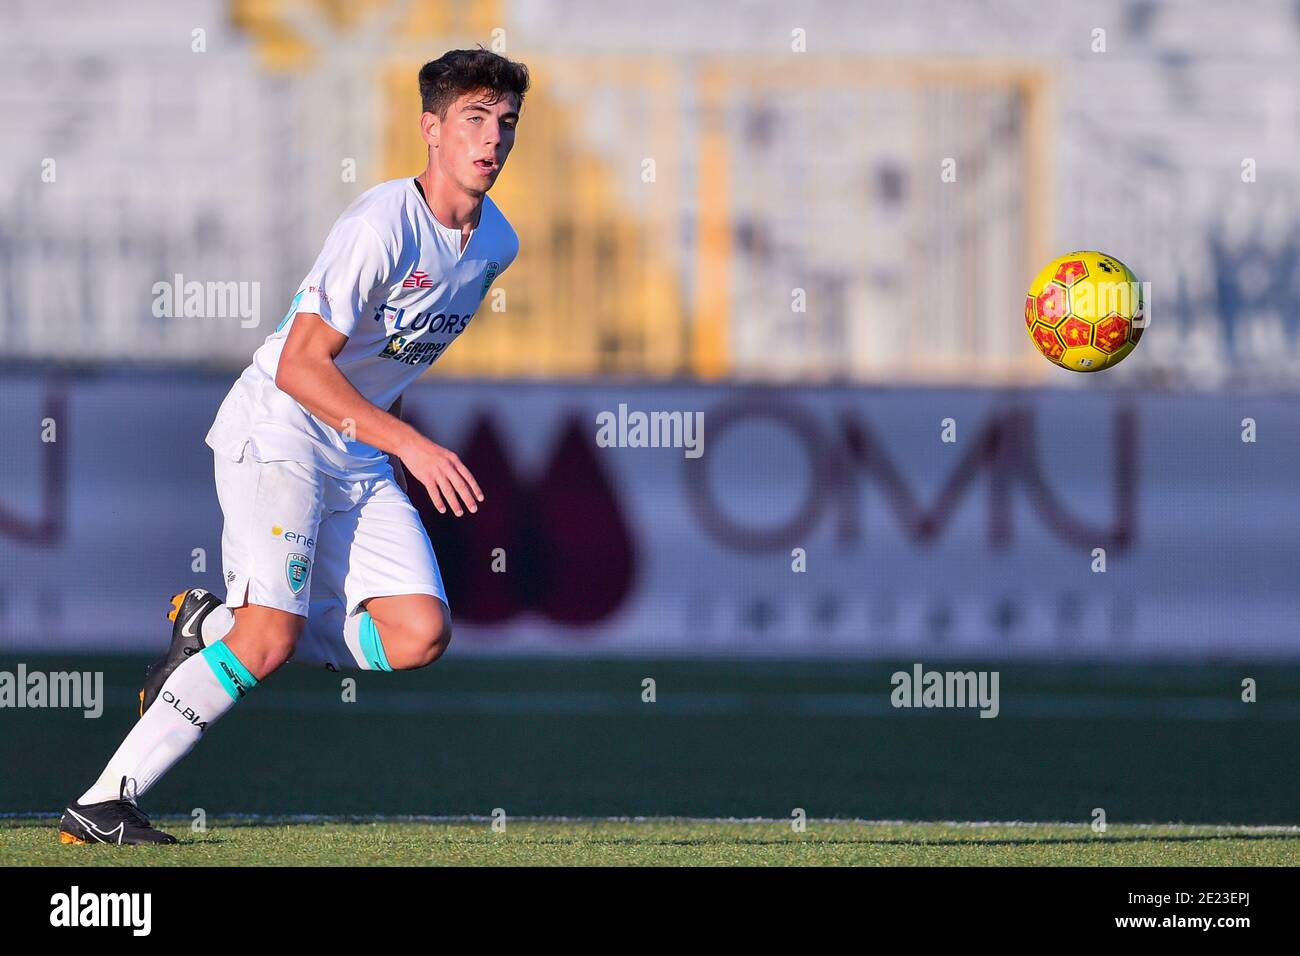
<point x="486" y="165"/>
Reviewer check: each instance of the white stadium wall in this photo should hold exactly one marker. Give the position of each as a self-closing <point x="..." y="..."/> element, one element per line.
<point x="979" y="548"/>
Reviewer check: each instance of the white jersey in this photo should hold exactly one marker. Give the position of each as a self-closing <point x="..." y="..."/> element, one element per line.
<point x="394" y="281"/>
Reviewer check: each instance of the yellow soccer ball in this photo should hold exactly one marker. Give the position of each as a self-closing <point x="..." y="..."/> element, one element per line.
<point x="1084" y="311"/>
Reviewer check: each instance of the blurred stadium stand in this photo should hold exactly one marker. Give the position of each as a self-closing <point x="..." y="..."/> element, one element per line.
<point x="773" y="171"/>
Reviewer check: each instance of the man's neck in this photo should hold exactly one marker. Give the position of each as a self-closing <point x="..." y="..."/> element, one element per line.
<point x="450" y="205"/>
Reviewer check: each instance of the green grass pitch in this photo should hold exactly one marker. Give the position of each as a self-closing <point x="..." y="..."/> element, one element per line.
<point x="411" y="768"/>
<point x="664" y="842"/>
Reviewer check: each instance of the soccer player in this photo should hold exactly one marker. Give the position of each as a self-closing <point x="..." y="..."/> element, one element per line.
<point x="326" y="560"/>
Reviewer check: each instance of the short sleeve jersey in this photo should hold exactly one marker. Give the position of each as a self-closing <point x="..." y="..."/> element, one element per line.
<point x="396" y="282"/>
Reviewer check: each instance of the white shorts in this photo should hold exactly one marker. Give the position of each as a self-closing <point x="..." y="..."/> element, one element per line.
<point x="294" y="535"/>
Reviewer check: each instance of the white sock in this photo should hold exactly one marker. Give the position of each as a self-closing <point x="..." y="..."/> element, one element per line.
<point x="192" y="699"/>
<point x="216" y="625"/>
<point x="337" y="640"/>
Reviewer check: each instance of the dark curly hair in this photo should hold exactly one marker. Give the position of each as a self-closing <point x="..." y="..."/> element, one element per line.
<point x="458" y="72"/>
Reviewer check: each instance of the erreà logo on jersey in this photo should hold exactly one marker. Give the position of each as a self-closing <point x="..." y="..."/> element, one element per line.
<point x="417" y="280"/>
<point x="492" y="269"/>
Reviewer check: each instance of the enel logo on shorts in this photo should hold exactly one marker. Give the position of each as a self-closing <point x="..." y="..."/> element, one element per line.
<point x="293" y="537"/>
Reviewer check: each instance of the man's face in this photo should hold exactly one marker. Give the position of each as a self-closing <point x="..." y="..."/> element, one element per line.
<point x="474" y="140"/>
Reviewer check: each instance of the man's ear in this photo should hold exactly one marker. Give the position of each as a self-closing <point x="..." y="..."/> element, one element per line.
<point x="429" y="128"/>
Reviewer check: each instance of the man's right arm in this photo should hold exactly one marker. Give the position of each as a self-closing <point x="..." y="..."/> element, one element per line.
<point x="308" y="374"/>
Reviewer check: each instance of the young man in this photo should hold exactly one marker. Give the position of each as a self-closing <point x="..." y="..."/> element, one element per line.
<point x="325" y="558"/>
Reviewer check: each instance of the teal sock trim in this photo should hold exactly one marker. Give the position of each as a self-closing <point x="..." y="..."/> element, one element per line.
<point x="371" y="647"/>
<point x="234" y="676"/>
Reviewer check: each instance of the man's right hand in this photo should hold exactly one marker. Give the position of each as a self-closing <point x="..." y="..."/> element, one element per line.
<point x="443" y="475"/>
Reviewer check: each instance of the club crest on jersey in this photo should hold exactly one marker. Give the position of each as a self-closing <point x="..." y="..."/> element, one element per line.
<point x="296" y="568"/>
<point x="493" y="268"/>
<point x="417" y="280"/>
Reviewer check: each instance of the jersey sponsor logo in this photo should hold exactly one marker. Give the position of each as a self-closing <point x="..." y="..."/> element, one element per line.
<point x="449" y="323"/>
<point x="296" y="569"/>
<point x="417" y="280"/>
<point x="393" y="346"/>
<point x="403" y="343"/>
<point x="493" y="268"/>
<point x="401" y="349"/>
<point x="395" y="321"/>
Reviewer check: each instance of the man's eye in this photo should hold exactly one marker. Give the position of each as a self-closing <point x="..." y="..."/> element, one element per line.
<point x="476" y="119"/>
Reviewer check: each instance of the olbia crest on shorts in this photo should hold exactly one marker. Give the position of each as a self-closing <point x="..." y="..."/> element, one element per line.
<point x="330" y="538"/>
<point x="296" y="568"/>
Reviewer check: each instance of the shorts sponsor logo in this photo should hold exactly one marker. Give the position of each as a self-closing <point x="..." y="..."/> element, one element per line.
<point x="293" y="537"/>
<point x="296" y="569"/>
